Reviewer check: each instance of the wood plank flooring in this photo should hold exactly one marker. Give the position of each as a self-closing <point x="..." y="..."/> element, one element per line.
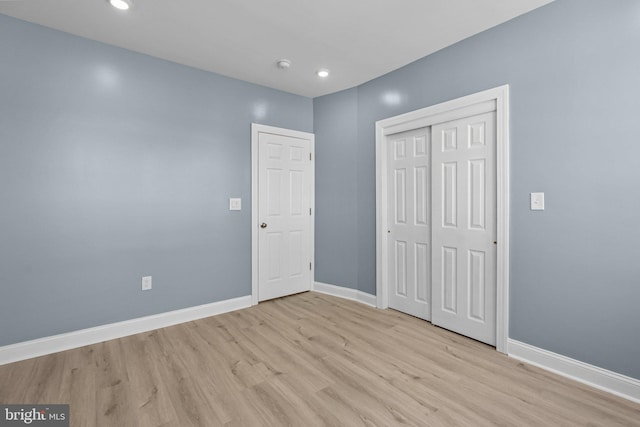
<point x="306" y="360"/>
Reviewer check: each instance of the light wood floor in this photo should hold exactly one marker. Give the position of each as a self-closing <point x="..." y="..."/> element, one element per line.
<point x="305" y="360"/>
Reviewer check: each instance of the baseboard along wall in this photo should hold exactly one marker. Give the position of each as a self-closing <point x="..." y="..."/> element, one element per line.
<point x="609" y="381"/>
<point x="67" y="341"/>
<point x="346" y="293"/>
<point x="603" y="379"/>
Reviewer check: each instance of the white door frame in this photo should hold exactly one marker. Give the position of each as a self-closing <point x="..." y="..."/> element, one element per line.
<point x="256" y="130"/>
<point x="496" y="99"/>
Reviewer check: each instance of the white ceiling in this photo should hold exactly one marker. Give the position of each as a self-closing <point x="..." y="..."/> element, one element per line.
<point x="358" y="40"/>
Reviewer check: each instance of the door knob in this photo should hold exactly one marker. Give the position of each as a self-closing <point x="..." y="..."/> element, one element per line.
<point x="263" y="225"/>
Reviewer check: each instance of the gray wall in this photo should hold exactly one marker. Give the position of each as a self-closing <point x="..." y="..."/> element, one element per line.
<point x="115" y="165"/>
<point x="335" y="122"/>
<point x="574" y="71"/>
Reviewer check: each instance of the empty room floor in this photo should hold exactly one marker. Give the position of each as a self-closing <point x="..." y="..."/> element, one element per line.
<point x="305" y="360"/>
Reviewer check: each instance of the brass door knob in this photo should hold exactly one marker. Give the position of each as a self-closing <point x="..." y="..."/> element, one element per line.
<point x="263" y="225"/>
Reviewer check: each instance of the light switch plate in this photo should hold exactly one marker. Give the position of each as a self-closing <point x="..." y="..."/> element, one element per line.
<point x="537" y="201"/>
<point x="147" y="284"/>
<point x="235" y="204"/>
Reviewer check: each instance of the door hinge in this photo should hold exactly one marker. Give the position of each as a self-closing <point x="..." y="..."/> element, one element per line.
<point x="309" y="211"/>
<point x="309" y="266"/>
<point x="309" y="156"/>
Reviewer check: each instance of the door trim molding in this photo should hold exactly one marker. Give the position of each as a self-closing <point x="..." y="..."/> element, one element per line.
<point x="256" y="130"/>
<point x="496" y="99"/>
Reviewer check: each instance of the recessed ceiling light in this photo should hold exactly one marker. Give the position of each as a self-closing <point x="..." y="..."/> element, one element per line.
<point x="120" y="4"/>
<point x="323" y="73"/>
<point x="284" y="64"/>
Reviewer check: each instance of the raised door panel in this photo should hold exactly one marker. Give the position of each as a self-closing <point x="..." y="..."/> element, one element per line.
<point x="477" y="194"/>
<point x="400" y="199"/>
<point x="449" y="280"/>
<point x="421" y="196"/>
<point x="421" y="265"/>
<point x="476" y="280"/>
<point x="449" y="192"/>
<point x="274" y="260"/>
<point x="297" y="200"/>
<point x="400" y="258"/>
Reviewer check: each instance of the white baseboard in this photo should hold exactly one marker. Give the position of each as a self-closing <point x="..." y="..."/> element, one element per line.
<point x="600" y="378"/>
<point x="346" y="293"/>
<point x="40" y="347"/>
<point x="609" y="381"/>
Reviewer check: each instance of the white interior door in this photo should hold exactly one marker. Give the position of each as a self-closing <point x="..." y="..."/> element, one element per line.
<point x="284" y="215"/>
<point x="464" y="226"/>
<point x="409" y="222"/>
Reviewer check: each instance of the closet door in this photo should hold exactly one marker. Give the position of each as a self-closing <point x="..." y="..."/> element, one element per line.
<point x="409" y="213"/>
<point x="464" y="226"/>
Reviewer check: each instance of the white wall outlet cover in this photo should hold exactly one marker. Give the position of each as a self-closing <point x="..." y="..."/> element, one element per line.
<point x="537" y="201"/>
<point x="147" y="283"/>
<point x="235" y="204"/>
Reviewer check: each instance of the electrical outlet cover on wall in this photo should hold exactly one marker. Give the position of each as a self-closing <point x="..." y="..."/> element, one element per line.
<point x="146" y="283"/>
<point x="235" y="204"/>
<point x="537" y="201"/>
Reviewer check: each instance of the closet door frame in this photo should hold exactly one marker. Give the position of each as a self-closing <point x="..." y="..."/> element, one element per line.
<point x="496" y="99"/>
